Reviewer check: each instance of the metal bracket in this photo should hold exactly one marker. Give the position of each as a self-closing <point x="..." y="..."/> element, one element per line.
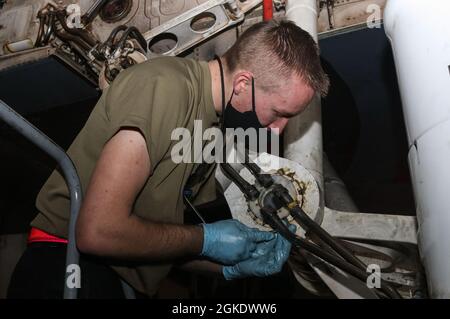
<point x="195" y="26"/>
<point x="379" y="227"/>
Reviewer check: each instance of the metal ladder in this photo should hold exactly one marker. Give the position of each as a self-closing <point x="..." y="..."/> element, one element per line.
<point x="35" y="136"/>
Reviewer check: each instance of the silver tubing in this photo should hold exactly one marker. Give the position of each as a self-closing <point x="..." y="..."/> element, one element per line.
<point x="26" y="129"/>
<point x="128" y="291"/>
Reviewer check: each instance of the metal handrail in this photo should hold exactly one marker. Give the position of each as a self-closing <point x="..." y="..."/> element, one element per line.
<point x="34" y="135"/>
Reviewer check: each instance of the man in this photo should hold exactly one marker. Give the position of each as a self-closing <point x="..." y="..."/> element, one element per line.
<point x="131" y="220"/>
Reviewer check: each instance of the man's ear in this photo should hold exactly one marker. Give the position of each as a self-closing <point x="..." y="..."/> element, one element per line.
<point x="242" y="82"/>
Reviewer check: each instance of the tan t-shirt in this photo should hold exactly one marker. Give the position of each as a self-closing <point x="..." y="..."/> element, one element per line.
<point x="156" y="97"/>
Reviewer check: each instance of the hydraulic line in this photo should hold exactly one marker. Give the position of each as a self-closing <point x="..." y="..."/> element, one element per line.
<point x="48" y="33"/>
<point x="92" y="12"/>
<point x="60" y="15"/>
<point x="306" y="222"/>
<point x="310" y="225"/>
<point x="246" y="188"/>
<point x="263" y="179"/>
<point x="40" y="33"/>
<point x="136" y="34"/>
<point x="65" y="36"/>
<point x="301" y="217"/>
<point x="112" y="36"/>
<point x="277" y="224"/>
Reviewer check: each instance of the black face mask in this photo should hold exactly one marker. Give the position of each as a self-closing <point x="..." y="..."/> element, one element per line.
<point x="232" y="118"/>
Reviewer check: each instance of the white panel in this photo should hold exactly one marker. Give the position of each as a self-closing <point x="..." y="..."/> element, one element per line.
<point x="431" y="185"/>
<point x="420" y="36"/>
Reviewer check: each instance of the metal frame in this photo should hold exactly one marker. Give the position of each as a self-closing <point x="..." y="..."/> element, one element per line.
<point x="26" y="129"/>
<point x="180" y="27"/>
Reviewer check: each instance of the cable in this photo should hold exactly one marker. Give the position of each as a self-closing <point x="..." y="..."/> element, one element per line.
<point x="248" y="189"/>
<point x="60" y="16"/>
<point x="112" y="36"/>
<point x="263" y="179"/>
<point x="134" y="33"/>
<point x="194" y="209"/>
<point x="302" y="218"/>
<point x="92" y="11"/>
<point x="277" y="224"/>
<point x="308" y="224"/>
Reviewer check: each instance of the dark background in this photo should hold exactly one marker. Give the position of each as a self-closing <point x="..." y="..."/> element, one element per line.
<point x="364" y="131"/>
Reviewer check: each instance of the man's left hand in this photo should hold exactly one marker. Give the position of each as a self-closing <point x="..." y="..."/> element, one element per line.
<point x="267" y="260"/>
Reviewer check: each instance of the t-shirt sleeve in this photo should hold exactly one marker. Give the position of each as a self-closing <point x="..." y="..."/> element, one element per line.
<point x="151" y="101"/>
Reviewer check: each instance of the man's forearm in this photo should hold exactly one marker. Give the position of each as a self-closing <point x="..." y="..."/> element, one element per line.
<point x="202" y="267"/>
<point x="137" y="239"/>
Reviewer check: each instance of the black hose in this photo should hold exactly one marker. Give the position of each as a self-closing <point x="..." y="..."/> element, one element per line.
<point x="263" y="179"/>
<point x="93" y="11"/>
<point x="112" y="36"/>
<point x="305" y="221"/>
<point x="136" y="34"/>
<point x="349" y="263"/>
<point x="48" y="33"/>
<point x="72" y="38"/>
<point x="310" y="225"/>
<point x="249" y="190"/>
<point x="60" y="15"/>
<point x="40" y="31"/>
<point x="277" y="224"/>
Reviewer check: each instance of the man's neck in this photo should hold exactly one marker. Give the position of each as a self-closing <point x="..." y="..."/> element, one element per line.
<point x="216" y="85"/>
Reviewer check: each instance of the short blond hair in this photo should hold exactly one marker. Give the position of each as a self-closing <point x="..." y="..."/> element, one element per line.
<point x="273" y="50"/>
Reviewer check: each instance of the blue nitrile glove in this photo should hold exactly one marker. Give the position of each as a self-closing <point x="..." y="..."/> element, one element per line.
<point x="230" y="242"/>
<point x="267" y="260"/>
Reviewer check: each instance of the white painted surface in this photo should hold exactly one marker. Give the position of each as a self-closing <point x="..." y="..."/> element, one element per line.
<point x="420" y="36"/>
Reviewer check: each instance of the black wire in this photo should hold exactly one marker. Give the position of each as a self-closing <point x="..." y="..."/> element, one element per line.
<point x="113" y="34"/>
<point x="222" y="82"/>
<point x="250" y="191"/>
<point x="49" y="31"/>
<point x="136" y="34"/>
<point x="306" y="222"/>
<point x="83" y="36"/>
<point x="349" y="263"/>
<point x="93" y="11"/>
<point x="310" y="225"/>
<point x="40" y="30"/>
<point x="263" y="179"/>
<point x="277" y="224"/>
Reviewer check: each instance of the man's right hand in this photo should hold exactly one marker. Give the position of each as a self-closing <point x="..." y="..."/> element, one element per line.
<point x="230" y="242"/>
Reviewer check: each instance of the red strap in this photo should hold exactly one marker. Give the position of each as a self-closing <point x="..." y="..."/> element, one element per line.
<point x="267" y="10"/>
<point x="37" y="235"/>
